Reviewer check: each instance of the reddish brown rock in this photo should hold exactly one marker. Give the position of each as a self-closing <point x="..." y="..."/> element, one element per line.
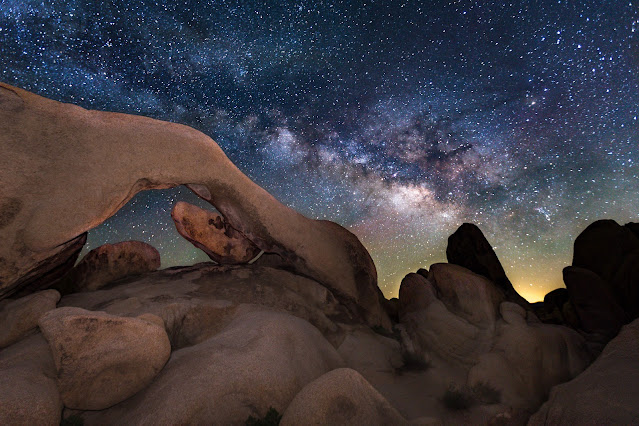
<point x="19" y="317"/>
<point x="103" y="359"/>
<point x="108" y="263"/>
<point x="213" y="234"/>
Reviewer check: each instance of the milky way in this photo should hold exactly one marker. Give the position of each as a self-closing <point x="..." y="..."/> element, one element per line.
<point x="398" y="120"/>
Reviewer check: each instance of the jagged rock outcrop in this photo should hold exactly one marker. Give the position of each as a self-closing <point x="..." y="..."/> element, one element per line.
<point x="211" y="233"/>
<point x="468" y="247"/>
<point x="102" y="359"/>
<point x="63" y="141"/>
<point x="341" y="397"/>
<point x="19" y="317"/>
<point x="108" y="263"/>
<point x="606" y="393"/>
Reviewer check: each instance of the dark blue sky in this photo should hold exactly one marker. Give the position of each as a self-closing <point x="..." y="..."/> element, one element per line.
<point x="399" y="120"/>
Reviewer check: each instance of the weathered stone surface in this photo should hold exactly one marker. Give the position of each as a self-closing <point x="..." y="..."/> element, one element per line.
<point x="211" y="233"/>
<point x="527" y="359"/>
<point x="468" y="247"/>
<point x="52" y="206"/>
<point x="108" y="263"/>
<point x="341" y="397"/>
<point x="20" y="316"/>
<point x="102" y="359"/>
<point x="28" y="391"/>
<point x="471" y="296"/>
<point x="512" y="313"/>
<point x="594" y="301"/>
<point x="260" y="359"/>
<point x="415" y="293"/>
<point x="606" y="393"/>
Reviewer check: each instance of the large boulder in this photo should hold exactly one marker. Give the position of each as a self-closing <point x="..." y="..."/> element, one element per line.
<point x="528" y="358"/>
<point x="602" y="248"/>
<point x="468" y="247"/>
<point x="594" y="302"/>
<point x="28" y="391"/>
<point x="340" y="397"/>
<point x="606" y="393"/>
<point x="213" y="234"/>
<point x="19" y="317"/>
<point x="45" y="145"/>
<point x="466" y="294"/>
<point x="259" y="360"/>
<point x="103" y="359"/>
<point x="108" y="263"/>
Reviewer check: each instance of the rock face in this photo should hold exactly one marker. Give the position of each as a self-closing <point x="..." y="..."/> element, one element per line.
<point x="102" y="359"/>
<point x="462" y="318"/>
<point x="258" y="360"/>
<point x="211" y="233"/>
<point x="59" y="141"/>
<point x="108" y="263"/>
<point x="340" y="397"/>
<point x="604" y="394"/>
<point x="28" y="391"/>
<point x="18" y="317"/>
<point x="468" y="247"/>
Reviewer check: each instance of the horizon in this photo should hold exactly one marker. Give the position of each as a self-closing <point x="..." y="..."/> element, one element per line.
<point x="398" y="121"/>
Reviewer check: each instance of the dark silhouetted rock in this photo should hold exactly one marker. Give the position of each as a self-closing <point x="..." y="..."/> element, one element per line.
<point x="108" y="263"/>
<point x="213" y="234"/>
<point x="602" y="248"/>
<point x="634" y="227"/>
<point x="423" y="272"/>
<point x="594" y="301"/>
<point x="415" y="293"/>
<point x="468" y="247"/>
<point x="606" y="393"/>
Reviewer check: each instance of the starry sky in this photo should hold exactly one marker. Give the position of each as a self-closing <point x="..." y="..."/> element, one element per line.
<point x="399" y="120"/>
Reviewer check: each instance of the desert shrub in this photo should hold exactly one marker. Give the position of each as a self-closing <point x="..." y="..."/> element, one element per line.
<point x="272" y="418"/>
<point x="412" y="362"/>
<point x="458" y="399"/>
<point x="486" y="394"/>
<point x="72" y="420"/>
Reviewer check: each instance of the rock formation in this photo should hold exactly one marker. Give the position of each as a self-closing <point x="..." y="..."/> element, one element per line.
<point x="45" y="209"/>
<point x="604" y="394"/>
<point x="108" y="263"/>
<point x="468" y="247"/>
<point x="19" y="317"/>
<point x="211" y="233"/>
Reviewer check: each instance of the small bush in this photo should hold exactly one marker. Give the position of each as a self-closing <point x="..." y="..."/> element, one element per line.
<point x="457" y="399"/>
<point x="412" y="362"/>
<point x="72" y="420"/>
<point x="486" y="394"/>
<point x="272" y="418"/>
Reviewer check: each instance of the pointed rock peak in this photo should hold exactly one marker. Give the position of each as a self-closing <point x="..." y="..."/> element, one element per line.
<point x="468" y="247"/>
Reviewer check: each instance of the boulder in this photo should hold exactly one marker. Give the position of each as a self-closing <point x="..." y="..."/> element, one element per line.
<point x="594" y="302"/>
<point x="606" y="393"/>
<point x="259" y="360"/>
<point x="469" y="295"/>
<point x="468" y="247"/>
<point x="213" y="234"/>
<point x="340" y="397"/>
<point x="103" y="359"/>
<point x="602" y="248"/>
<point x="28" y="391"/>
<point x="42" y="212"/>
<point x="415" y="293"/>
<point x="527" y="359"/>
<point x="19" y="317"/>
<point x="108" y="263"/>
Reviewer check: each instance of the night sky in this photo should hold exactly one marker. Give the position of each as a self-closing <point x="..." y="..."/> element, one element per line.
<point x="399" y="120"/>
